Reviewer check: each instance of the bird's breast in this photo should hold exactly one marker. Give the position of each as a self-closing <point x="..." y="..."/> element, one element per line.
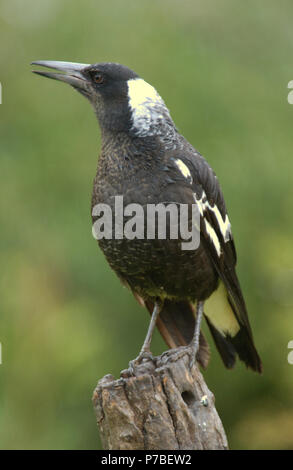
<point x="152" y="263"/>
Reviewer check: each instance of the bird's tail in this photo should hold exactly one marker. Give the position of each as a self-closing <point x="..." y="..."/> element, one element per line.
<point x="176" y="324"/>
<point x="231" y="336"/>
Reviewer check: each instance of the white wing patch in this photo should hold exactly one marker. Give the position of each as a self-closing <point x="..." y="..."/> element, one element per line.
<point x="224" y="224"/>
<point x="213" y="236"/>
<point x="184" y="169"/>
<point x="147" y="107"/>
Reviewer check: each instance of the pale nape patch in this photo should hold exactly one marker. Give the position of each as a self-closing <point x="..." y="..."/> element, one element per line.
<point x="148" y="108"/>
<point x="142" y="94"/>
<point x="220" y="313"/>
<point x="184" y="169"/>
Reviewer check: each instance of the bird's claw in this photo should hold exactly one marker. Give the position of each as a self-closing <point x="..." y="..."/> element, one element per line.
<point x="144" y="356"/>
<point x="175" y="354"/>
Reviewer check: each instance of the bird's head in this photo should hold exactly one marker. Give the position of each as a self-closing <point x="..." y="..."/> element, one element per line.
<point x="123" y="102"/>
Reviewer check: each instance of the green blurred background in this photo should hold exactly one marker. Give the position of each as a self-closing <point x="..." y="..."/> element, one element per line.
<point x="223" y="68"/>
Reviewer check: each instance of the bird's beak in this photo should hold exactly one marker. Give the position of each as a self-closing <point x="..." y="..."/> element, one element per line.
<point x="71" y="73"/>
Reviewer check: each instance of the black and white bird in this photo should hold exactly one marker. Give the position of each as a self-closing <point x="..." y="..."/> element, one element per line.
<point x="147" y="161"/>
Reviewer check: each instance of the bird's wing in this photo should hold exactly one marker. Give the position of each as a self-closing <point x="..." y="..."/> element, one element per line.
<point x="215" y="228"/>
<point x="229" y="318"/>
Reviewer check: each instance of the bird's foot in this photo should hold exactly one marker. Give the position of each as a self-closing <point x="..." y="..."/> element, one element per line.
<point x="175" y="354"/>
<point x="142" y="359"/>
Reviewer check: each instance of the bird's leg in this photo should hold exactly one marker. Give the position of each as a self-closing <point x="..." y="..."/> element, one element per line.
<point x="192" y="348"/>
<point x="194" y="345"/>
<point x="145" y="350"/>
<point x="147" y="342"/>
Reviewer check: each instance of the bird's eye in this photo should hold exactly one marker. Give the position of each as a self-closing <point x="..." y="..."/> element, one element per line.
<point x="98" y="78"/>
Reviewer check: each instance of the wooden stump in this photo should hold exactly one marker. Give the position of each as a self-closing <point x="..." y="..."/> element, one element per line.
<point x="163" y="407"/>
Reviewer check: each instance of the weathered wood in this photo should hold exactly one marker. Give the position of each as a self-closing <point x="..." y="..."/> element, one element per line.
<point x="164" y="406"/>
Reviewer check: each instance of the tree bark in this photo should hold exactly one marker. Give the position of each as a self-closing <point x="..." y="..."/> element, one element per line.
<point x="164" y="406"/>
